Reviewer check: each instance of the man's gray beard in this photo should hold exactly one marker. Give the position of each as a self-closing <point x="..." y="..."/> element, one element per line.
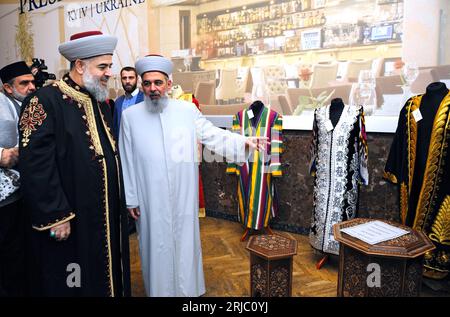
<point x="94" y="86"/>
<point x="18" y="96"/>
<point x="156" y="105"/>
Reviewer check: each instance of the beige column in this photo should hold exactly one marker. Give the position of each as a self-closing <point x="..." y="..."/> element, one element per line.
<point x="421" y="29"/>
<point x="153" y="30"/>
<point x="444" y="45"/>
<point x="62" y="36"/>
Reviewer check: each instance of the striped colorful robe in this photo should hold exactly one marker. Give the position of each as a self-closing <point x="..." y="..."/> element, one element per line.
<point x="256" y="192"/>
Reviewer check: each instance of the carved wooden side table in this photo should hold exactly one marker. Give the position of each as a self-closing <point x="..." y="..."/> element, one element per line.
<point x="390" y="268"/>
<point x="271" y="265"/>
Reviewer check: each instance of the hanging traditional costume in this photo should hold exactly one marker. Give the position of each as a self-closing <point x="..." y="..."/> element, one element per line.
<point x="257" y="196"/>
<point x="339" y="164"/>
<point x="424" y="188"/>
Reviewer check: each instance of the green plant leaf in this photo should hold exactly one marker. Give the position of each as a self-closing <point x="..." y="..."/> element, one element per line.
<point x="298" y="110"/>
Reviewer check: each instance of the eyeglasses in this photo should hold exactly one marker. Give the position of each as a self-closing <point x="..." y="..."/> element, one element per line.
<point x="148" y="83"/>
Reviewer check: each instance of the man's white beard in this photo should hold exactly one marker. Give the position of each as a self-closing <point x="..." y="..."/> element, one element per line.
<point x="17" y="95"/>
<point x="156" y="105"/>
<point x="94" y="86"/>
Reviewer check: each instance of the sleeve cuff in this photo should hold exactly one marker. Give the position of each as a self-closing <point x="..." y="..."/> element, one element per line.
<point x="57" y="222"/>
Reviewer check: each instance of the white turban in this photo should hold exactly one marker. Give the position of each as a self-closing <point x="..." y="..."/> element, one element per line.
<point x="154" y="63"/>
<point x="88" y="44"/>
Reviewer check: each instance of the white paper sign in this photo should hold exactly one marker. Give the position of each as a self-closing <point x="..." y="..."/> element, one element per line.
<point x="417" y="115"/>
<point x="374" y="232"/>
<point x="250" y="114"/>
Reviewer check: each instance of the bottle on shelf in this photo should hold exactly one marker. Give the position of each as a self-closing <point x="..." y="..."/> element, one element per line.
<point x="306" y="5"/>
<point x="266" y="13"/>
<point x="323" y="19"/>
<point x="299" y="7"/>
<point x="302" y="20"/>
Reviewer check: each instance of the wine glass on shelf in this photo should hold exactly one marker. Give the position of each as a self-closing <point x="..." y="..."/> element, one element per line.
<point x="367" y="77"/>
<point x="410" y="72"/>
<point x="364" y="91"/>
<point x="187" y="61"/>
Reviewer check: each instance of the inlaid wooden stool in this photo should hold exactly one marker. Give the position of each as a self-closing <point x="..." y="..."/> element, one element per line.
<point x="398" y="262"/>
<point x="271" y="265"/>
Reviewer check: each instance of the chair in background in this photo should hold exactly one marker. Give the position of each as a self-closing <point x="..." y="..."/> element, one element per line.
<point x="354" y="67"/>
<point x="378" y="67"/>
<point x="425" y="77"/>
<point x="184" y="79"/>
<point x="244" y="81"/>
<point x="258" y="91"/>
<point x="387" y="85"/>
<point x="205" y="93"/>
<point x="284" y="105"/>
<point x="228" y="89"/>
<point x="292" y="78"/>
<point x="223" y="109"/>
<point x="275" y="84"/>
<point x="443" y="71"/>
<point x="293" y="95"/>
<point x="189" y="80"/>
<point x="323" y="74"/>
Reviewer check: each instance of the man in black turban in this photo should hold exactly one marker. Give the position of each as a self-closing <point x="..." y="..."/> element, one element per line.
<point x="18" y="83"/>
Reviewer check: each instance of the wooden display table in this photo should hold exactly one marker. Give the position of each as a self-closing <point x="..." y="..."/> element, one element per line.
<point x="271" y="265"/>
<point x="399" y="262"/>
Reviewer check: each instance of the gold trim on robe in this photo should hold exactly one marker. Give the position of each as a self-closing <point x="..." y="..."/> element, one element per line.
<point x="390" y="177"/>
<point x="56" y="223"/>
<point x="440" y="231"/>
<point x="434" y="163"/>
<point x="84" y="101"/>
<point x="403" y="202"/>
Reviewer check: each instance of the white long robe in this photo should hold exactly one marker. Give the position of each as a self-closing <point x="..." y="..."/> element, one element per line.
<point x="159" y="161"/>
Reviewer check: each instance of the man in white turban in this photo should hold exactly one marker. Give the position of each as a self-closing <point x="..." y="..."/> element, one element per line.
<point x="71" y="178"/>
<point x="158" y="144"/>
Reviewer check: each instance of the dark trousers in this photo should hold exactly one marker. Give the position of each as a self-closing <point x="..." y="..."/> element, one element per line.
<point x="13" y="275"/>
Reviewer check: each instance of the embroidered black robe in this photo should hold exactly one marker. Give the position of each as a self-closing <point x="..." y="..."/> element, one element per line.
<point x="71" y="171"/>
<point x="339" y="163"/>
<point x="419" y="164"/>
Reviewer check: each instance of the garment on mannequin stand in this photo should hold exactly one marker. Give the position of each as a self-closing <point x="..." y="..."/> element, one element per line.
<point x="419" y="164"/>
<point x="201" y="196"/>
<point x="257" y="197"/>
<point x="339" y="163"/>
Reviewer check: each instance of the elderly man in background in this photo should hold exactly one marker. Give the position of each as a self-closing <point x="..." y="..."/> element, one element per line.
<point x="71" y="178"/>
<point x="18" y="83"/>
<point x="158" y="146"/>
